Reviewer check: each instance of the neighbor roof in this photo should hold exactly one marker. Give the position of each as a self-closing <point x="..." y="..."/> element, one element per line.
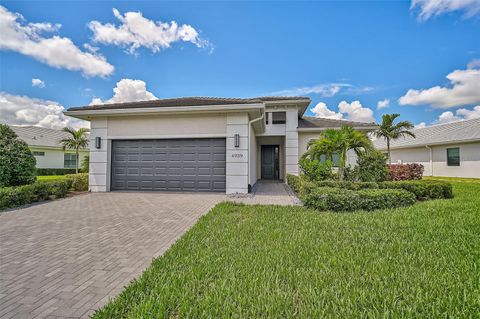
<point x="40" y="136"/>
<point x="450" y="133"/>
<point x="190" y="101"/>
<point x="324" y="123"/>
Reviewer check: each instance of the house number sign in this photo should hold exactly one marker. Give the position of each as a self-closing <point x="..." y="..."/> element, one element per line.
<point x="237" y="155"/>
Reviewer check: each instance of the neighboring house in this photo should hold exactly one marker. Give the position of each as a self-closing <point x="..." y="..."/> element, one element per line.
<point x="199" y="144"/>
<point x="451" y="149"/>
<point x="45" y="146"/>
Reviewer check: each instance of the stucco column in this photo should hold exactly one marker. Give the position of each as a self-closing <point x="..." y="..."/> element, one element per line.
<point x="237" y="157"/>
<point x="98" y="179"/>
<point x="291" y="142"/>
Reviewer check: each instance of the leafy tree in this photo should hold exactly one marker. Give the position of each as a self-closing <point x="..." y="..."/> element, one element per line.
<point x="85" y="164"/>
<point x="339" y="141"/>
<point x="390" y="131"/>
<point x="76" y="141"/>
<point x="17" y="163"/>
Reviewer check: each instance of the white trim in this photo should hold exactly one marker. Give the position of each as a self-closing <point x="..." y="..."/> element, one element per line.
<point x="177" y="109"/>
<point x="164" y="137"/>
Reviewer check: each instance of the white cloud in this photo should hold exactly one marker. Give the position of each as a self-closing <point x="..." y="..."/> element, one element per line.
<point x="432" y="8"/>
<point x="354" y="112"/>
<point x="136" y="31"/>
<point x="325" y="90"/>
<point x="421" y="125"/>
<point x="459" y="115"/>
<point x="321" y="110"/>
<point x="55" y="51"/>
<point x="38" y="83"/>
<point x="128" y="90"/>
<point x="464" y="90"/>
<point x="23" y="110"/>
<point x="383" y="104"/>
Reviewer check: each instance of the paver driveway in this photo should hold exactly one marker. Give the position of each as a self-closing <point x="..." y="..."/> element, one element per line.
<point x="66" y="258"/>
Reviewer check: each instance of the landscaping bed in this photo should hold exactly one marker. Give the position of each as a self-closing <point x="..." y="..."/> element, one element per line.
<point x="241" y="261"/>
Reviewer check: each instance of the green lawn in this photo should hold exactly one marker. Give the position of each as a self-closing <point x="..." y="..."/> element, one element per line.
<point x="283" y="262"/>
<point x="50" y="177"/>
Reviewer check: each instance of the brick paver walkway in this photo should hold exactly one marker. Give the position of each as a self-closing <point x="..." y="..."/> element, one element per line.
<point x="66" y="258"/>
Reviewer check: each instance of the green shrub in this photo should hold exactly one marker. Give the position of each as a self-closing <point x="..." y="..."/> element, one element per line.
<point x="338" y="199"/>
<point x="347" y="184"/>
<point x="17" y="163"/>
<point x="78" y="182"/>
<point x="54" y="171"/>
<point x="84" y="165"/>
<point x="422" y="189"/>
<point x="372" y="167"/>
<point x="294" y="182"/>
<point x="21" y="195"/>
<point x="314" y="170"/>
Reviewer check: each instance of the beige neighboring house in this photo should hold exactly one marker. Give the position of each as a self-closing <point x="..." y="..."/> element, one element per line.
<point x="199" y="143"/>
<point x="45" y="146"/>
<point x="451" y="150"/>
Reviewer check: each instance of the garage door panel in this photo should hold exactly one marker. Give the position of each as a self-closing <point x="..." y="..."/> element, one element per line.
<point x="169" y="165"/>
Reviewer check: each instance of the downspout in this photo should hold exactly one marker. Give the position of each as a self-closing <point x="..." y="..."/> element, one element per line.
<point x="249" y="166"/>
<point x="431" y="161"/>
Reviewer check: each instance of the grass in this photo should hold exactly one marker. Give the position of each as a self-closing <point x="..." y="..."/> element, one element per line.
<point x="50" y="178"/>
<point x="278" y="262"/>
<point x="453" y="179"/>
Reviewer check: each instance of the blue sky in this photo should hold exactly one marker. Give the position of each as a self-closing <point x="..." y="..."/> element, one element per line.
<point x="334" y="52"/>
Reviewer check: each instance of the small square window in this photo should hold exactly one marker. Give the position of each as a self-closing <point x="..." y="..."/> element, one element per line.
<point x="453" y="156"/>
<point x="36" y="153"/>
<point x="279" y="117"/>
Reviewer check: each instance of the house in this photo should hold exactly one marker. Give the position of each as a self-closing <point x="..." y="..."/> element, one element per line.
<point x="45" y="146"/>
<point x="451" y="149"/>
<point x="199" y="143"/>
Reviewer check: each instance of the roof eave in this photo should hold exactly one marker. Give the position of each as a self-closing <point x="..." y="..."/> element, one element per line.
<point x="430" y="144"/>
<point x="319" y="129"/>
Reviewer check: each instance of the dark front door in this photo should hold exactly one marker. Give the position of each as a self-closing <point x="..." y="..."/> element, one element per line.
<point x="270" y="162"/>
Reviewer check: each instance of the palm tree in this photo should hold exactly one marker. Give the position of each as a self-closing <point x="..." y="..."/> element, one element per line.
<point x="389" y="131"/>
<point x="339" y="141"/>
<point x="76" y="141"/>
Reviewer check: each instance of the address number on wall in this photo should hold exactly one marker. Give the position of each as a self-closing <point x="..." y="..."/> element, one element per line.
<point x="237" y="155"/>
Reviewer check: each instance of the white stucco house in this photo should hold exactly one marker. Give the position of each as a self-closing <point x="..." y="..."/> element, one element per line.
<point x="198" y="143"/>
<point x="451" y="150"/>
<point x="45" y="146"/>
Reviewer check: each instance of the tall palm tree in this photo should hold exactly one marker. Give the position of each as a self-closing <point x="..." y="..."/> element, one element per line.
<point x="390" y="131"/>
<point x="76" y="141"/>
<point x="339" y="141"/>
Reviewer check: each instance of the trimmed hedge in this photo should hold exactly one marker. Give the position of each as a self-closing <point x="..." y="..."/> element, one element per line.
<point x="403" y="172"/>
<point x="295" y="183"/>
<point x="55" y="171"/>
<point x="21" y="195"/>
<point x="78" y="182"/>
<point x="422" y="189"/>
<point x="337" y="199"/>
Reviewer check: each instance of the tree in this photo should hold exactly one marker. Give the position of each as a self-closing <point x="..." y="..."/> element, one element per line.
<point x="390" y="131"/>
<point x="76" y="141"/>
<point x="339" y="141"/>
<point x="17" y="163"/>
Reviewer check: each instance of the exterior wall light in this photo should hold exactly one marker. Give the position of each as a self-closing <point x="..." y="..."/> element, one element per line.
<point x="236" y="140"/>
<point x="98" y="142"/>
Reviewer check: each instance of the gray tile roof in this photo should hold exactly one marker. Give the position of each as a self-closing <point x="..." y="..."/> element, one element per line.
<point x="317" y="122"/>
<point x="450" y="133"/>
<point x="40" y="136"/>
<point x="189" y="101"/>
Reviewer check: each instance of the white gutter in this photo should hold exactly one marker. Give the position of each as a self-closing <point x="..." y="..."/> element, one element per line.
<point x="152" y="110"/>
<point x="249" y="126"/>
<point x="474" y="140"/>
<point x="431" y="160"/>
<point x="319" y="129"/>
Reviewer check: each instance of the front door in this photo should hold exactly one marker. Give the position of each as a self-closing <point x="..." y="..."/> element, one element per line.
<point x="270" y="162"/>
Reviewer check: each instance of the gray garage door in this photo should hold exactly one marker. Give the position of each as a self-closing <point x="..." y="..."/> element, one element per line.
<point x="169" y="165"/>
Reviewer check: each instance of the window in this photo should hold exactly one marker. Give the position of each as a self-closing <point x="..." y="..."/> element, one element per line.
<point x="335" y="159"/>
<point x="35" y="153"/>
<point x="453" y="156"/>
<point x="69" y="160"/>
<point x="279" y="117"/>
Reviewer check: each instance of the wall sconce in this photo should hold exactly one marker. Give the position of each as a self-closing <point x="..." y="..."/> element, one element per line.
<point x="236" y="140"/>
<point x="98" y="142"/>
